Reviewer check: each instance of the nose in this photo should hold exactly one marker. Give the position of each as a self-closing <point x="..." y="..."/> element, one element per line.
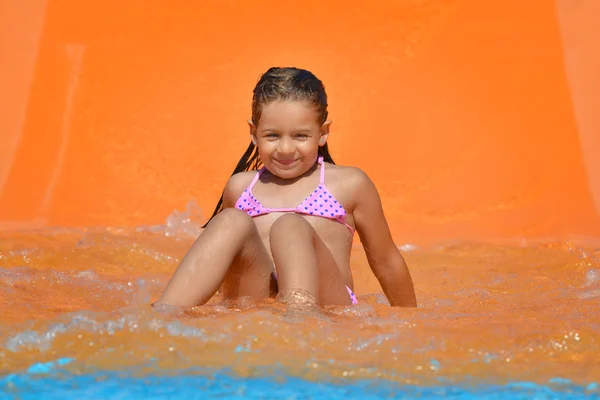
<point x="285" y="146"/>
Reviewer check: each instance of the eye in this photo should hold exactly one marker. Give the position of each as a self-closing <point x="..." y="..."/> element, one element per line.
<point x="302" y="136"/>
<point x="271" y="136"/>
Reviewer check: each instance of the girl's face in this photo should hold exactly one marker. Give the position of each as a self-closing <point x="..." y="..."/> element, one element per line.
<point x="288" y="137"/>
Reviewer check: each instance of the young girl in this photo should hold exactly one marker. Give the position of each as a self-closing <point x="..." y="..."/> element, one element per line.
<point x="288" y="228"/>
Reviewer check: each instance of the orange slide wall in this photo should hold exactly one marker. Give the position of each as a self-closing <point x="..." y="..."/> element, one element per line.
<point x="475" y="119"/>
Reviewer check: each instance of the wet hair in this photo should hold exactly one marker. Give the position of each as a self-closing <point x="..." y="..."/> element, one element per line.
<point x="278" y="83"/>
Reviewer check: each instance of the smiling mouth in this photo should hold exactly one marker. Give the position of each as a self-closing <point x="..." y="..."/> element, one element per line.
<point x="285" y="162"/>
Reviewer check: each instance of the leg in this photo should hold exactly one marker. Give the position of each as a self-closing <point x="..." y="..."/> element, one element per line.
<point x="229" y="250"/>
<point x="303" y="262"/>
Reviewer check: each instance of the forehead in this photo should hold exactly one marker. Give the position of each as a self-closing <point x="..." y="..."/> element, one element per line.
<point x="291" y="114"/>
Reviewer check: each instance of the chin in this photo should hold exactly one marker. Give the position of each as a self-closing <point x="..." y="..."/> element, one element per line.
<point x="286" y="173"/>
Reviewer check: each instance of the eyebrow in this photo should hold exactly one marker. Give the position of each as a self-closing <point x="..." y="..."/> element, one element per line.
<point x="277" y="131"/>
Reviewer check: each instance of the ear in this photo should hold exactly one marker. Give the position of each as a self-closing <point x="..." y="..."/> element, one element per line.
<point x="324" y="132"/>
<point x="252" y="132"/>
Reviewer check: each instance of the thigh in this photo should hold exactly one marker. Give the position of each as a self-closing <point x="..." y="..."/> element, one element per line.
<point x="251" y="272"/>
<point x="332" y="287"/>
<point x="303" y="261"/>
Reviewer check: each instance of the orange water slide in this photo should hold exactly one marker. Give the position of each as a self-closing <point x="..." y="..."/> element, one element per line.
<point x="475" y="119"/>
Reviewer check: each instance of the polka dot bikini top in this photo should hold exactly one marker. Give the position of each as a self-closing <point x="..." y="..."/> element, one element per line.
<point x="319" y="203"/>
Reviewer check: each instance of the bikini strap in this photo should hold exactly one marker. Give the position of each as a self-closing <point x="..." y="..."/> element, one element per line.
<point x="258" y="174"/>
<point x="320" y="160"/>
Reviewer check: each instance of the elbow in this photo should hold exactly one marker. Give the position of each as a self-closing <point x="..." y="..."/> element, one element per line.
<point x="393" y="265"/>
<point x="396" y="282"/>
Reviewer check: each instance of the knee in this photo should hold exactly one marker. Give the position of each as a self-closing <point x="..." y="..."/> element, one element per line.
<point x="237" y="220"/>
<point x="289" y="224"/>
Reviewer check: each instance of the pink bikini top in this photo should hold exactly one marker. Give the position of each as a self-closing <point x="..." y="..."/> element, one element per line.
<point x="319" y="203"/>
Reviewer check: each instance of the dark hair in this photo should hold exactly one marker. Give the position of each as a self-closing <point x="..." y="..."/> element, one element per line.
<point x="281" y="84"/>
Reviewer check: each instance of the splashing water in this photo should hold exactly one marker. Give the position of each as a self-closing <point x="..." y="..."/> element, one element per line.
<point x="515" y="319"/>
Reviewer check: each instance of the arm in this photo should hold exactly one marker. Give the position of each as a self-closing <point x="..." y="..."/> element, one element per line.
<point x="235" y="186"/>
<point x="232" y="191"/>
<point x="383" y="256"/>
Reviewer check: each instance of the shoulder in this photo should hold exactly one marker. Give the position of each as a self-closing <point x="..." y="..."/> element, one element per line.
<point x="240" y="181"/>
<point x="235" y="186"/>
<point x="354" y="178"/>
<point x="356" y="184"/>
